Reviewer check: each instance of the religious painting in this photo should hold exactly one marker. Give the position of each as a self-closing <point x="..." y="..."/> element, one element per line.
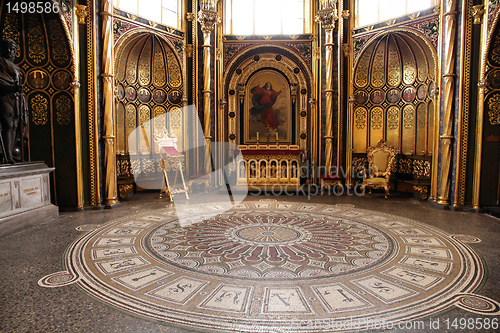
<point x="393" y="96"/>
<point x="131" y="93"/>
<point x="175" y="97"/>
<point x="121" y="92"/>
<point x="144" y="95"/>
<point x="268" y="108"/>
<point x="422" y="92"/>
<point x="360" y="97"/>
<point x="409" y="94"/>
<point x="62" y="79"/>
<point x="159" y="96"/>
<point x="38" y="79"/>
<point x="377" y="96"/>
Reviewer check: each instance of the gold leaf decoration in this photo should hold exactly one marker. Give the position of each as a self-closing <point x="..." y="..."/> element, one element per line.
<point x="145" y="65"/>
<point x="39" y="106"/>
<point x="393" y="118"/>
<point x="408" y="116"/>
<point x="394" y="66"/>
<point x="494" y="109"/>
<point x="36" y="45"/>
<point x="159" y="67"/>
<point x="377" y="117"/>
<point x="360" y="118"/>
<point x="59" y="49"/>
<point x="63" y="108"/>
<point x="378" y="68"/>
<point x="11" y="30"/>
<point x="174" y="71"/>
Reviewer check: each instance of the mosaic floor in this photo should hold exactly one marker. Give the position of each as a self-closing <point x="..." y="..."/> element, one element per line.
<point x="273" y="266"/>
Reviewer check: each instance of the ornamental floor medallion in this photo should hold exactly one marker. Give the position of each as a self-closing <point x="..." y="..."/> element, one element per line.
<point x="275" y="267"/>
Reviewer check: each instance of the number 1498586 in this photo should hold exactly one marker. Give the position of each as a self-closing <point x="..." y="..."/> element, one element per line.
<point x="32" y="7"/>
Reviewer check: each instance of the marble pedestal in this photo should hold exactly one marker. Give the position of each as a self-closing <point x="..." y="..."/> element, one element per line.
<point x="25" y="196"/>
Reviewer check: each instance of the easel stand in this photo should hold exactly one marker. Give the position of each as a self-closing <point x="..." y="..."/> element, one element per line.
<point x="168" y="190"/>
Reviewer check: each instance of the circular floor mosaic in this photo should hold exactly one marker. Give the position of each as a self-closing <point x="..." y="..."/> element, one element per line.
<point x="275" y="267"/>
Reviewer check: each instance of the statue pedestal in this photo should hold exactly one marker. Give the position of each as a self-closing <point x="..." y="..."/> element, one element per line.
<point x="25" y="196"/>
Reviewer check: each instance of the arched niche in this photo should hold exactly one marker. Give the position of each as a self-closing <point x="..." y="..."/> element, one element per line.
<point x="394" y="83"/>
<point x="255" y="68"/>
<point x="46" y="60"/>
<point x="149" y="83"/>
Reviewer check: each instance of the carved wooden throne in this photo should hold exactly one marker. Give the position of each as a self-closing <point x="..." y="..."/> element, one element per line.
<point x="381" y="159"/>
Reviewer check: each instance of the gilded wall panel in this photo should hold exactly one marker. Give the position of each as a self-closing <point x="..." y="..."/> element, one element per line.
<point x="393" y="120"/>
<point x="393" y="64"/>
<point x="145" y="65"/>
<point x="376" y="124"/>
<point x="430" y="126"/>
<point x="39" y="103"/>
<point x="149" y="84"/>
<point x="131" y="68"/>
<point x="44" y="57"/>
<point x="37" y="44"/>
<point x="362" y="70"/>
<point x="64" y="108"/>
<point x="421" y="147"/>
<point x="378" y="67"/>
<point x="144" y="114"/>
<point x="393" y="97"/>
<point x="360" y="130"/>
<point x="174" y="73"/>
<point x="12" y="30"/>
<point x="409" y="63"/>
<point x="60" y="54"/>
<point x="159" y="75"/>
<point x="408" y="131"/>
<point x="120" y="123"/>
<point x="131" y="124"/>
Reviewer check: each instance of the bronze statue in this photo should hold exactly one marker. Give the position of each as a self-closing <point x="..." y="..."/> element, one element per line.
<point x="12" y="103"/>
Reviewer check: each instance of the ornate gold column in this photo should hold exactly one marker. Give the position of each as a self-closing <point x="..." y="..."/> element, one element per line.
<point x="450" y="45"/>
<point x="344" y="50"/>
<point x="109" y="101"/>
<point x="464" y="108"/>
<point x="327" y="15"/>
<point x="208" y="18"/>
<point x="476" y="183"/>
<point x="78" y="18"/>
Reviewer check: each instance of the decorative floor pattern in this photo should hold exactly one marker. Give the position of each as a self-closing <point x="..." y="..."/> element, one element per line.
<point x="275" y="267"/>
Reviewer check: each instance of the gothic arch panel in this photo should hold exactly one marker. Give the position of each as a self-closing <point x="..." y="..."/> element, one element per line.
<point x="394" y="81"/>
<point x="288" y="77"/>
<point x="46" y="61"/>
<point x="149" y="83"/>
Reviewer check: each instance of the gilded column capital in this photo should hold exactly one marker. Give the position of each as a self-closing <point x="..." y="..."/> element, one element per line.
<point x="82" y="13"/>
<point x="190" y="16"/>
<point x="208" y="19"/>
<point x="345" y="14"/>
<point x="328" y="14"/>
<point x="478" y="13"/>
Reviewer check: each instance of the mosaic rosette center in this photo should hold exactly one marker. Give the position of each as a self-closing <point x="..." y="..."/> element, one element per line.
<point x="267" y="266"/>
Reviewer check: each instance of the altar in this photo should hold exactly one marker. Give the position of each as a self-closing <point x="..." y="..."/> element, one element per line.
<point x="269" y="167"/>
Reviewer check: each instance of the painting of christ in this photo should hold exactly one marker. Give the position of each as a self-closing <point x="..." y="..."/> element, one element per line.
<point x="267" y="108"/>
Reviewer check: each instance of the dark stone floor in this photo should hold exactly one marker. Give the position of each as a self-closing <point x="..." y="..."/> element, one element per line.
<point x="32" y="253"/>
